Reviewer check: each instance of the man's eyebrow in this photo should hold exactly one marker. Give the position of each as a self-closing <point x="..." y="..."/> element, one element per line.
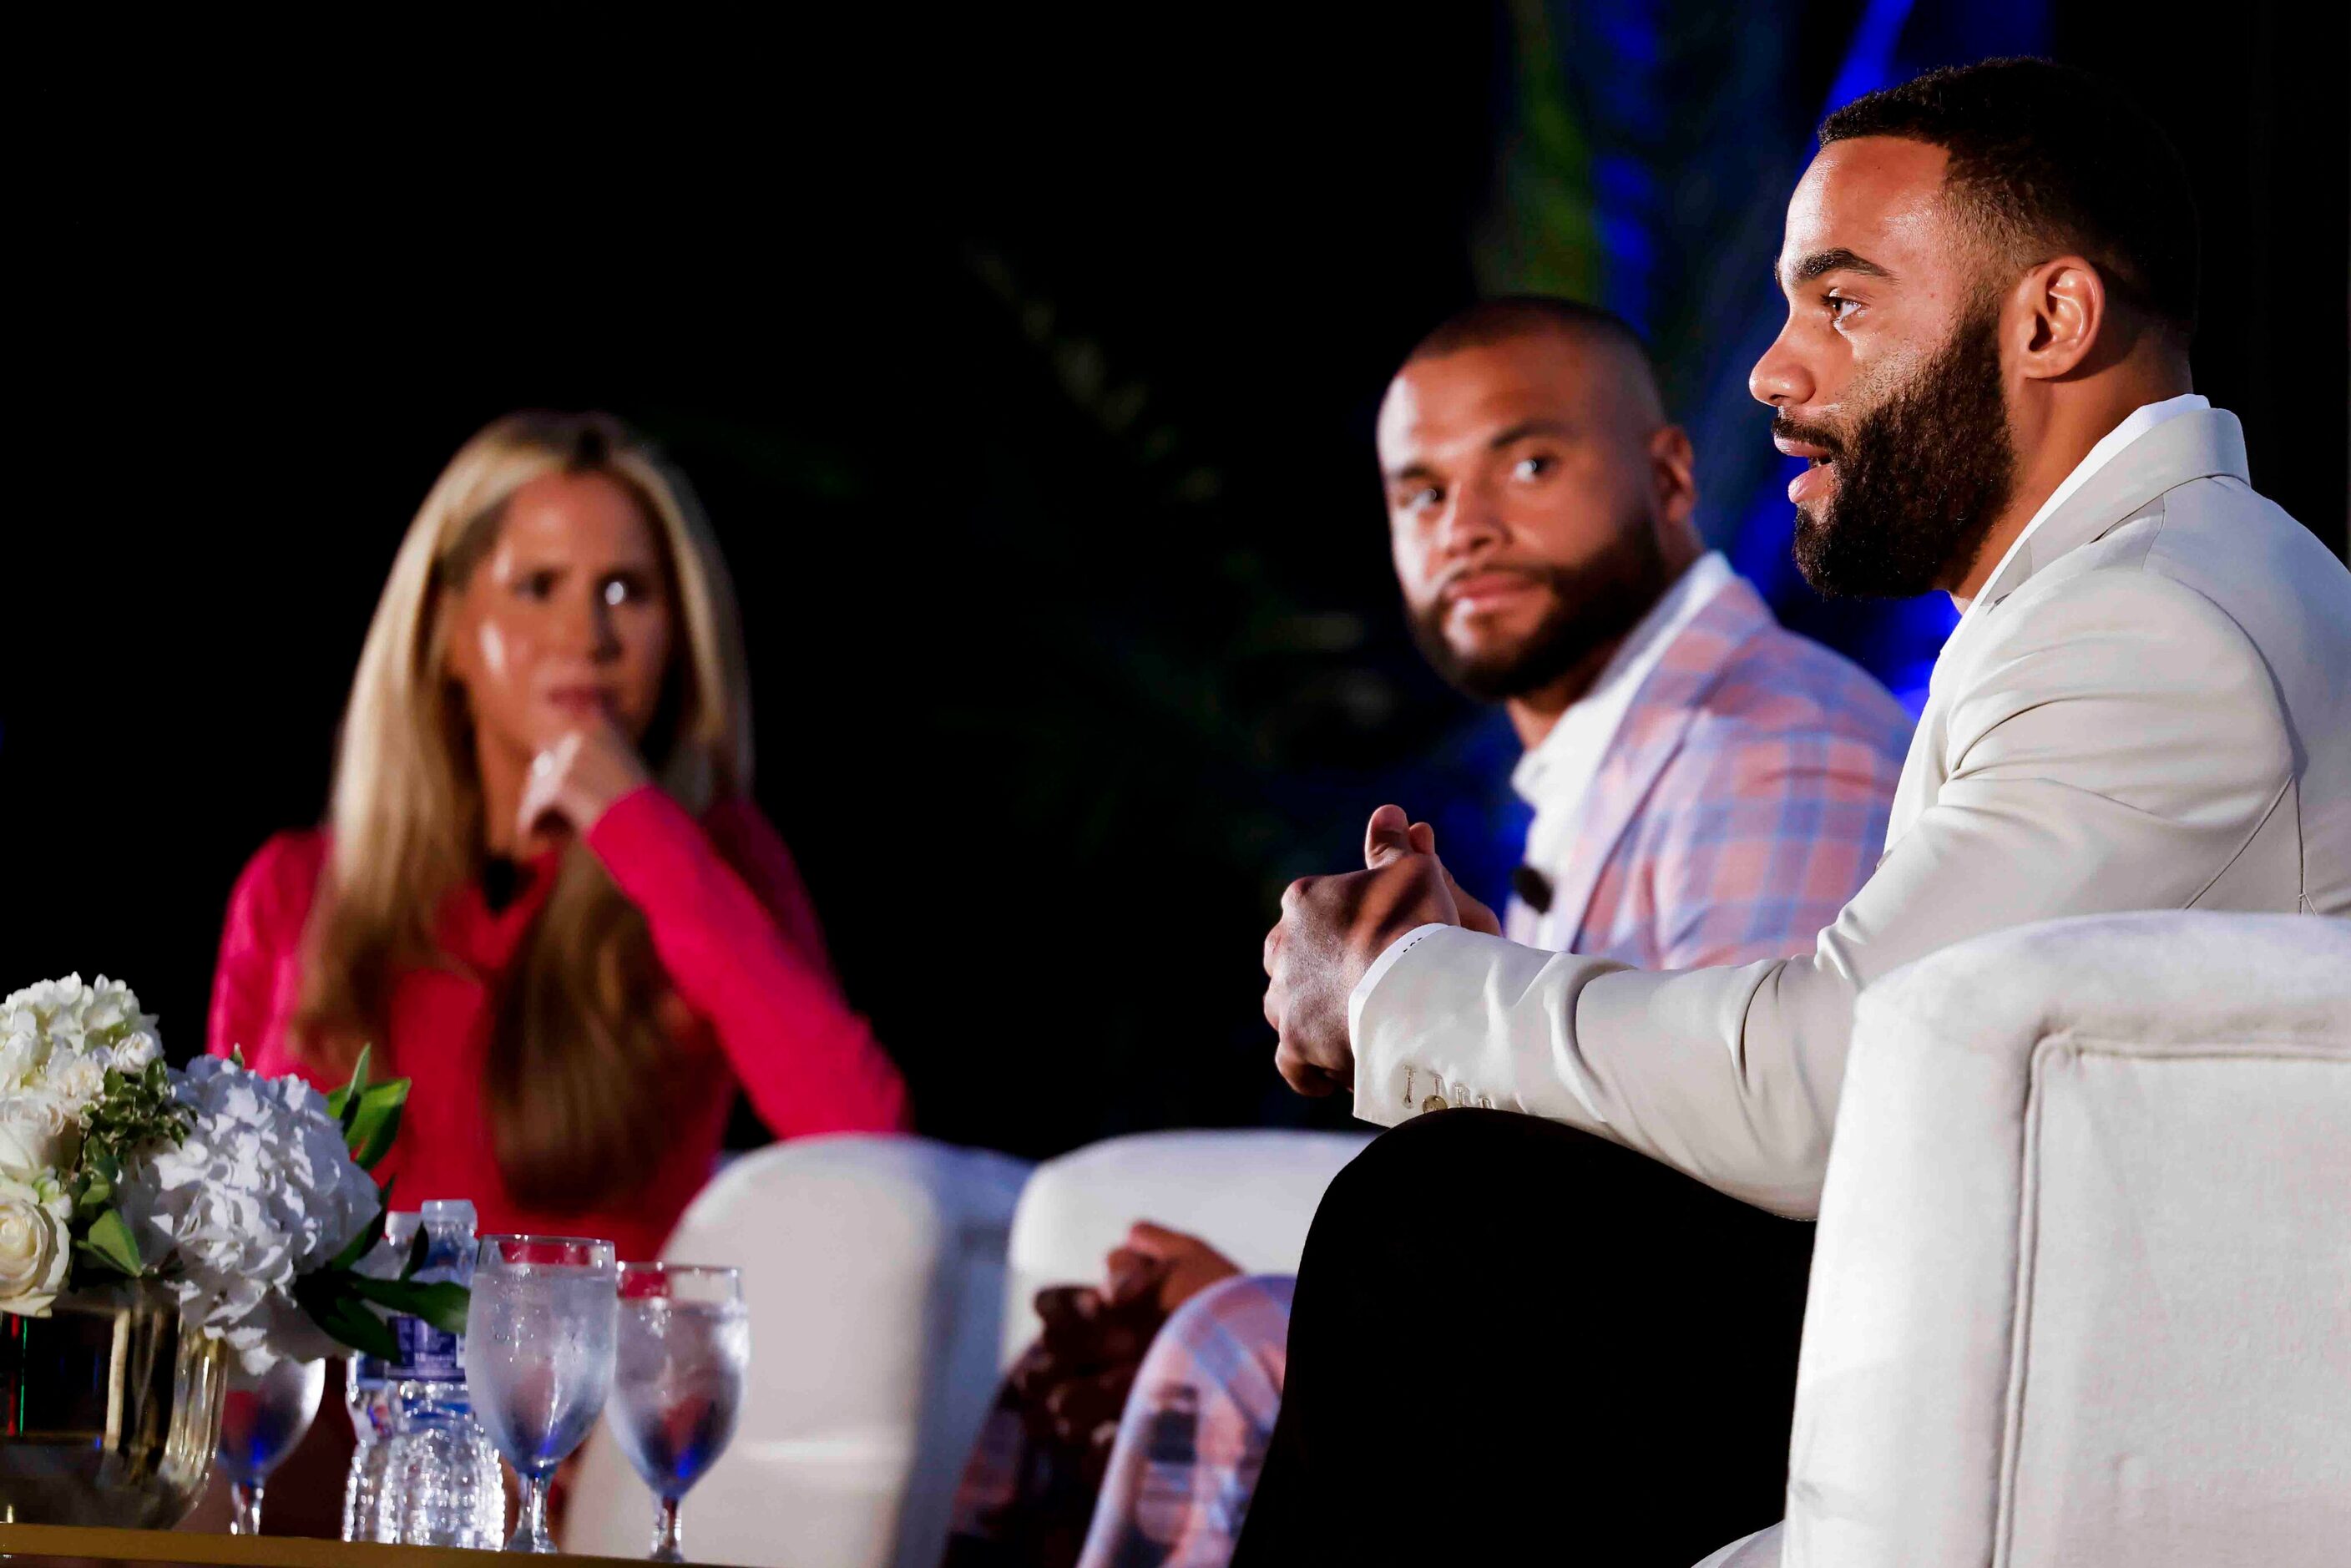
<point x="1527" y="427"/>
<point x="1418" y="470"/>
<point x="1822" y="262"/>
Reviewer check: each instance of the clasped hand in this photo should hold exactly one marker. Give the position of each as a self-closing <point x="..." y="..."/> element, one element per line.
<point x="1072" y="1384"/>
<point x="1332" y="928"/>
<point x="575" y="777"/>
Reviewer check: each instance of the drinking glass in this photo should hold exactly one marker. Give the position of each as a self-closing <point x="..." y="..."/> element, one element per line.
<point x="263" y="1417"/>
<point x="677" y="1382"/>
<point x="539" y="1357"/>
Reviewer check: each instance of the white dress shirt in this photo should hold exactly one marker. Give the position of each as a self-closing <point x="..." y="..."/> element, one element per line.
<point x="1555" y="777"/>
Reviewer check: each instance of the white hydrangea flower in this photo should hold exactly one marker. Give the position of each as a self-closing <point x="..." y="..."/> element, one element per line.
<point x="262" y="1189"/>
<point x="34" y="1251"/>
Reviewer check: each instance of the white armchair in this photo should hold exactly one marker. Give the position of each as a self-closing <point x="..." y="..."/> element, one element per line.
<point x="883" y="1307"/>
<point x="873" y="1268"/>
<point x="2082" y="1290"/>
<point x="1250" y="1194"/>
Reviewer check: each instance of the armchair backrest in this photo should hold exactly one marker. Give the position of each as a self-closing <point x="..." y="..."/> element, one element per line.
<point x="2082" y="1290"/>
<point x="1249" y="1194"/>
<point x="874" y="1269"/>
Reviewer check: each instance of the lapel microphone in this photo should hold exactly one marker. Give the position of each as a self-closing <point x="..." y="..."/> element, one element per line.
<point x="1532" y="887"/>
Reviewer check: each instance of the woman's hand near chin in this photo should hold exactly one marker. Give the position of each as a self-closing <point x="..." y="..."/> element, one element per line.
<point x="576" y="777"/>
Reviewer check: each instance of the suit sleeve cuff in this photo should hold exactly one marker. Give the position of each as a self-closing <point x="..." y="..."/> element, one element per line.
<point x="1378" y="972"/>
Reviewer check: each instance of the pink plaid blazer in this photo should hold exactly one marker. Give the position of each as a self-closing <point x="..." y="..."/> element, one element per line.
<point x="1742" y="801"/>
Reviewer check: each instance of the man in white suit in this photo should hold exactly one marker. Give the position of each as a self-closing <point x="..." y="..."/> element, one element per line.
<point x="1991" y="276"/>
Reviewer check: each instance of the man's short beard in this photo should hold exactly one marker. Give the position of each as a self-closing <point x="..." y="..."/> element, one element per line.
<point x="1919" y="479"/>
<point x="1592" y="605"/>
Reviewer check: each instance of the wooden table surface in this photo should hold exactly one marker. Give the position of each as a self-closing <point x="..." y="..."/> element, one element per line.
<point x="240" y="1550"/>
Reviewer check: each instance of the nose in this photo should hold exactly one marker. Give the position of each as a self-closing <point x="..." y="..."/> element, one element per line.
<point x="1779" y="378"/>
<point x="592" y="630"/>
<point x="1472" y="521"/>
<point x="606" y="646"/>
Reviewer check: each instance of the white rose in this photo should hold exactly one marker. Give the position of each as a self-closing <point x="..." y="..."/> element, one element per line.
<point x="39" y="1136"/>
<point x="34" y="1256"/>
<point x="108" y="1007"/>
<point x="23" y="1048"/>
<point x="134" y="1052"/>
<point x="78" y="1080"/>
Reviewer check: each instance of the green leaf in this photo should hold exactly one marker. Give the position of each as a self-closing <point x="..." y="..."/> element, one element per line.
<point x="369" y="1234"/>
<point x="136" y="1110"/>
<point x="339" y="1103"/>
<point x="350" y="1321"/>
<point x="94" y="1188"/>
<point x="110" y="1240"/>
<point x="442" y="1304"/>
<point x="329" y="1302"/>
<point x="420" y="1247"/>
<point x="374" y="1121"/>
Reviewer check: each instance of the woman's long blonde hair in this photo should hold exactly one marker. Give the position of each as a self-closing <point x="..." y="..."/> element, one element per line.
<point x="577" y="1088"/>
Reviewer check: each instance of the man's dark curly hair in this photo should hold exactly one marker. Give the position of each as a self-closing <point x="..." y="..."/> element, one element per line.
<point x="2052" y="160"/>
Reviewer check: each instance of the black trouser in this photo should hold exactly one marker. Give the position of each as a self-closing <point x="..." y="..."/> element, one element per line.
<point x="1517" y="1343"/>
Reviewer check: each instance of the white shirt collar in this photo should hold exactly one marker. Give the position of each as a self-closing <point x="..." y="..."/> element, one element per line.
<point x="2136" y="424"/>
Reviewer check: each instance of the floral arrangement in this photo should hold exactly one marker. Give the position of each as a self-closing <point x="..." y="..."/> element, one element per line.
<point x="247" y="1199"/>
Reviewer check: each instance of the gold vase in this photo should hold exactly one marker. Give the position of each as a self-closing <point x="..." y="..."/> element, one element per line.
<point x="109" y="1410"/>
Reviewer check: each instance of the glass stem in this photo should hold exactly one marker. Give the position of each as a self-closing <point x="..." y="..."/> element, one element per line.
<point x="246" y="1502"/>
<point x="668" y="1547"/>
<point x="531" y="1529"/>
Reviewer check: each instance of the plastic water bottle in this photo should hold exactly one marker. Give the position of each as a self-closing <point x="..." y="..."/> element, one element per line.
<point x="441" y="1483"/>
<point x="366" y="1394"/>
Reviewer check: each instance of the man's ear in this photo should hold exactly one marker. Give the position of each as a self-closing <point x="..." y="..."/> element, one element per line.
<point x="2059" y="309"/>
<point x="1673" y="473"/>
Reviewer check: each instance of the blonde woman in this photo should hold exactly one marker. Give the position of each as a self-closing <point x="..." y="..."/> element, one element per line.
<point x="543" y="893"/>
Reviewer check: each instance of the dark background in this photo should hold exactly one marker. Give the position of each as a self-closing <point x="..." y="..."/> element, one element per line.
<point x="1027" y="373"/>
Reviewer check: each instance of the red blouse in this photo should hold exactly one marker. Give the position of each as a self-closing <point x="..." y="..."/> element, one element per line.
<point x="732" y="927"/>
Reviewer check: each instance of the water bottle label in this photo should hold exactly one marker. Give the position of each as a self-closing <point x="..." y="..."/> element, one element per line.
<point x="426" y="1352"/>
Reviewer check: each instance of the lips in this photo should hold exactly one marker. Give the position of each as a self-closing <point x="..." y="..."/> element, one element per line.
<point x="1818" y="477"/>
<point x="581" y="700"/>
<point x="1814" y="483"/>
<point x="1482" y="592"/>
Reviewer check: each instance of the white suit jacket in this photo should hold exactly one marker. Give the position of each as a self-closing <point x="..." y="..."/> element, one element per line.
<point x="2152" y="712"/>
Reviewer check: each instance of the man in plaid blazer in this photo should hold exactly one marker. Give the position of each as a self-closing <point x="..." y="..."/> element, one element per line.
<point x="1709" y="789"/>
